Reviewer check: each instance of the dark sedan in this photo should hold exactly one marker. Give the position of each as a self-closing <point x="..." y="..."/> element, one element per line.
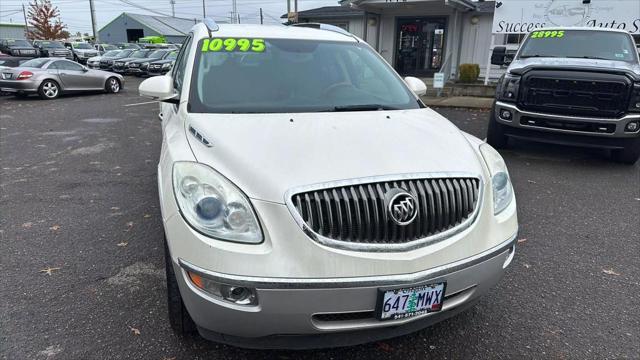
<point x="161" y="67"/>
<point x="121" y="65"/>
<point x="106" y="62"/>
<point x="139" y="67"/>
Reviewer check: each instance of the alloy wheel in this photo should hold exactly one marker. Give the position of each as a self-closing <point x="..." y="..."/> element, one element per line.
<point x="50" y="89"/>
<point x="114" y="85"/>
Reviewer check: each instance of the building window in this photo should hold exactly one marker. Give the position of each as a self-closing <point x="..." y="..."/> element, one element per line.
<point x="343" y="25"/>
<point x="514" y="39"/>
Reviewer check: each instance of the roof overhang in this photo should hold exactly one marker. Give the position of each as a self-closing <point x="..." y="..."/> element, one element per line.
<point x="463" y="5"/>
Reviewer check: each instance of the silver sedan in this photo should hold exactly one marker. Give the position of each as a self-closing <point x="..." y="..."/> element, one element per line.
<point x="51" y="77"/>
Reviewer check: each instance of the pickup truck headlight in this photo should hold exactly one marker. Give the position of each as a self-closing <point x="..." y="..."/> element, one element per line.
<point x="508" y="87"/>
<point x="500" y="181"/>
<point x="166" y="66"/>
<point x="213" y="205"/>
<point x="634" y="104"/>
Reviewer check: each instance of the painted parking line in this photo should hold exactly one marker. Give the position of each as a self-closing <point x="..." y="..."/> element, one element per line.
<point x="142" y="103"/>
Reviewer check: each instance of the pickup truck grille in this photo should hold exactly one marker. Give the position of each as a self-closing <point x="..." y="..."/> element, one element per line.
<point x="576" y="93"/>
<point x="358" y="213"/>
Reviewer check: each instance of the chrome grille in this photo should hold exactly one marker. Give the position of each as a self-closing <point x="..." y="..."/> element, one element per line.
<point x="357" y="214"/>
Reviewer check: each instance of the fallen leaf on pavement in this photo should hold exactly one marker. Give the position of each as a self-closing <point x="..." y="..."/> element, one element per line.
<point x="134" y="331"/>
<point x="146" y="216"/>
<point x="122" y="244"/>
<point x="531" y="182"/>
<point x="115" y="208"/>
<point x="385" y="347"/>
<point x="129" y="226"/>
<point x="27" y="225"/>
<point x="610" y="272"/>
<point x="55" y="227"/>
<point x="526" y="265"/>
<point x="49" y="270"/>
<point x="520" y="241"/>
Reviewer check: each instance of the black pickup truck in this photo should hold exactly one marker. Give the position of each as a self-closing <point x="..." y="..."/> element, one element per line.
<point x="574" y="86"/>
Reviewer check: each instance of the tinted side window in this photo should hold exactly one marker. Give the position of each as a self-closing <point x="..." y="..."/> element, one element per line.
<point x="55" y="65"/>
<point x="68" y="65"/>
<point x="181" y="64"/>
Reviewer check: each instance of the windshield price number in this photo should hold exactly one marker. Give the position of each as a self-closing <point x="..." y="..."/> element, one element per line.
<point x="233" y="44"/>
<point x="547" y="34"/>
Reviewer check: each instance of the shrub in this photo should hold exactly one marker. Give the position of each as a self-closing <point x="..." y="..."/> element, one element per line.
<point x="469" y="73"/>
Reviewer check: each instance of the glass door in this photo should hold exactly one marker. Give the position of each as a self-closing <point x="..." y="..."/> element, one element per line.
<point x="420" y="45"/>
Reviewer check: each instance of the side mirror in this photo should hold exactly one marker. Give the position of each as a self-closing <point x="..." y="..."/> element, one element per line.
<point x="159" y="88"/>
<point x="498" y="56"/>
<point x="85" y="69"/>
<point x="416" y="85"/>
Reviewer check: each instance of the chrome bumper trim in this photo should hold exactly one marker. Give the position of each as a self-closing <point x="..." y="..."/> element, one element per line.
<point x="351" y="282"/>
<point x="620" y="123"/>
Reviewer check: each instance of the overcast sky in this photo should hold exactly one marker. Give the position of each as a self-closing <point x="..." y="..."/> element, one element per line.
<point x="75" y="13"/>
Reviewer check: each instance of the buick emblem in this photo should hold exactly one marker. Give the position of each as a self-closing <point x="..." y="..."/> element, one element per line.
<point x="402" y="206"/>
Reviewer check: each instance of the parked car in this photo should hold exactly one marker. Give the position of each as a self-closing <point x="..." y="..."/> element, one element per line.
<point x="81" y="51"/>
<point x="103" y="48"/>
<point x="576" y="86"/>
<point x="49" y="48"/>
<point x="129" y="46"/>
<point x="17" y="47"/>
<point x="12" y="61"/>
<point x="309" y="198"/>
<point x="51" y="77"/>
<point x="122" y="65"/>
<point x="106" y="63"/>
<point x="161" y="67"/>
<point x="139" y="67"/>
<point x="94" y="62"/>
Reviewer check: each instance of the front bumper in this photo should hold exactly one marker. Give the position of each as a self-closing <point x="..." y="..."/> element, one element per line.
<point x="287" y="315"/>
<point x="542" y="123"/>
<point x="19" y="86"/>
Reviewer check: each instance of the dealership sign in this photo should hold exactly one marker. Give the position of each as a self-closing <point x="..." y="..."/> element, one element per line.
<point x="523" y="16"/>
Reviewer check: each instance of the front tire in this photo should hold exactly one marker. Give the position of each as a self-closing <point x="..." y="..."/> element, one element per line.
<point x="179" y="317"/>
<point x="495" y="132"/>
<point x="629" y="155"/>
<point x="113" y="85"/>
<point x="49" y="90"/>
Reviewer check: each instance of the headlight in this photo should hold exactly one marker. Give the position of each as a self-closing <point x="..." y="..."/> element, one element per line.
<point x="508" y="88"/>
<point x="165" y="66"/>
<point x="213" y="205"/>
<point x="500" y="182"/>
<point x="634" y="105"/>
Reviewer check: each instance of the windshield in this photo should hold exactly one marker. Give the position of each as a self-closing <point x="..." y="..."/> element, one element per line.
<point x="579" y="44"/>
<point x="51" y="44"/>
<point x="158" y="54"/>
<point x="35" y="63"/>
<point x="295" y="76"/>
<point x="18" y="43"/>
<point x="110" y="47"/>
<point x="82" y="46"/>
<point x="173" y="55"/>
<point x="111" y="53"/>
<point x="124" y="53"/>
<point x="139" y="54"/>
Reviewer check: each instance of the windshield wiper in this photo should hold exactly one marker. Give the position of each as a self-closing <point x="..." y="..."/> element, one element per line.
<point x="364" y="107"/>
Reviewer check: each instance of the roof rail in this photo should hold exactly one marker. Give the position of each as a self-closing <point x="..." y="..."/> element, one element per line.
<point x="211" y="25"/>
<point x="326" y="27"/>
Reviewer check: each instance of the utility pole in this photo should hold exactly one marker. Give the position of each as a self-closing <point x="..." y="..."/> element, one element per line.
<point x="234" y="9"/>
<point x="173" y="8"/>
<point x="93" y="22"/>
<point x="204" y="11"/>
<point x="295" y="8"/>
<point x="26" y="24"/>
<point x="261" y="17"/>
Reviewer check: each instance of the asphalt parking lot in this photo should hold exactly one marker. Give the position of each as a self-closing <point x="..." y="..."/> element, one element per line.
<point x="79" y="199"/>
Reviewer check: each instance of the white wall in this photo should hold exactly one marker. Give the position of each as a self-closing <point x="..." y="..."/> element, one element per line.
<point x="476" y="41"/>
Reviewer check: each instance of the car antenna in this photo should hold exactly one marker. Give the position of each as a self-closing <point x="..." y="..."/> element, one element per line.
<point x="211" y="25"/>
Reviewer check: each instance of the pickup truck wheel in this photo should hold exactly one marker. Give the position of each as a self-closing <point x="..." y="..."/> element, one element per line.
<point x="495" y="132"/>
<point x="179" y="318"/>
<point x="629" y="155"/>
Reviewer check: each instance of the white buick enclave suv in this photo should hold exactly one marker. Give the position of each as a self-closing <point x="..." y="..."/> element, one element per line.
<point x="310" y="199"/>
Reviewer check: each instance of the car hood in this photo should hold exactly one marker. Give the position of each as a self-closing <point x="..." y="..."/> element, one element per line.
<point x="522" y="66"/>
<point x="165" y="61"/>
<point x="149" y="60"/>
<point x="95" y="58"/>
<point x="82" y="51"/>
<point x="267" y="154"/>
<point x="127" y="59"/>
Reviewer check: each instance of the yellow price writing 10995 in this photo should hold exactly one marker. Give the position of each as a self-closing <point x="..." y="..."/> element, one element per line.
<point x="233" y="44"/>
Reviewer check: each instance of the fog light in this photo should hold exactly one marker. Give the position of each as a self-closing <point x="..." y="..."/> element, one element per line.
<point x="235" y="294"/>
<point x="638" y="105"/>
<point x="505" y="114"/>
<point x="632" y="126"/>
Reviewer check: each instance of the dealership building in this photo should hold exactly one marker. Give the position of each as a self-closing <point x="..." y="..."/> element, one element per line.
<point x="424" y="37"/>
<point x="129" y="27"/>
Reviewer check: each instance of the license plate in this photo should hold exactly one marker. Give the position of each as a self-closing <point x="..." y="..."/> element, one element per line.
<point x="408" y="302"/>
<point x="6" y="76"/>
